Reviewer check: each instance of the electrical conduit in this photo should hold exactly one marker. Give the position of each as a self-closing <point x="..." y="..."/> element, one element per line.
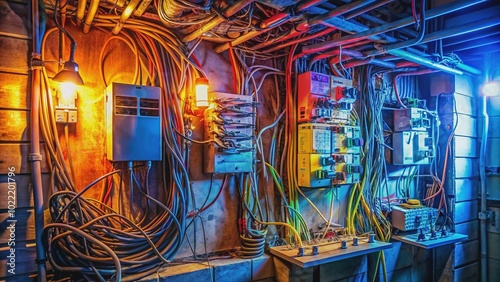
<point x="94" y="5"/>
<point x="125" y="15"/>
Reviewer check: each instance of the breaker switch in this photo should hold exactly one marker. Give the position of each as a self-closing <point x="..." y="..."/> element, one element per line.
<point x="326" y="161"/>
<point x="325" y="174"/>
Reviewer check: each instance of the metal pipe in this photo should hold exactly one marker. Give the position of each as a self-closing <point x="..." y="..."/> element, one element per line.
<point x="482" y="175"/>
<point x="303" y="27"/>
<point x="215" y="21"/>
<point x="35" y="157"/>
<point x="436" y="12"/>
<point x="338" y="12"/>
<point x="94" y="5"/>
<point x="80" y="11"/>
<point x="451" y="32"/>
<point x="368" y="8"/>
<point x="316" y="20"/>
<point x="292" y="34"/>
<point x="347" y="52"/>
<point x="125" y="15"/>
<point x="424" y="61"/>
<point x="371" y="61"/>
<point x="278" y="18"/>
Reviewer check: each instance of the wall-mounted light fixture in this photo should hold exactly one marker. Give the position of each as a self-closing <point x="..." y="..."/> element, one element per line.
<point x="201" y="93"/>
<point x="491" y="89"/>
<point x="68" y="77"/>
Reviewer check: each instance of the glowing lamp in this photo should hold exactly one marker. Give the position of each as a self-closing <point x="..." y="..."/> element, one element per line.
<point x="201" y="92"/>
<point x="491" y="89"/>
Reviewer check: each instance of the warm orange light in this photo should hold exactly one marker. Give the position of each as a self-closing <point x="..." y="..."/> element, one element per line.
<point x="201" y="93"/>
<point x="67" y="95"/>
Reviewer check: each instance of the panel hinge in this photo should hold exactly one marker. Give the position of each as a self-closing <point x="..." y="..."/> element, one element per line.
<point x="487" y="215"/>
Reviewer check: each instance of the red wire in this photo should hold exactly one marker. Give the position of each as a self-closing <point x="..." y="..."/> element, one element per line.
<point x="192" y="213"/>
<point x="397" y="92"/>
<point x="233" y="67"/>
<point x="414" y="11"/>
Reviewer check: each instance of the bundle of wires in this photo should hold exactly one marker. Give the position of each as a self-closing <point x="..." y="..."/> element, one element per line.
<point x="89" y="240"/>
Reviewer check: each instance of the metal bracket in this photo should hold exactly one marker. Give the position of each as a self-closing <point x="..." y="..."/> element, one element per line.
<point x="487" y="215"/>
<point x="35" y="62"/>
<point x="34" y="157"/>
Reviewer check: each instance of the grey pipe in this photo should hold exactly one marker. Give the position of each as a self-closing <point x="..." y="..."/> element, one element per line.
<point x="436" y="12"/>
<point x="482" y="176"/>
<point x="35" y="157"/>
<point x="424" y="61"/>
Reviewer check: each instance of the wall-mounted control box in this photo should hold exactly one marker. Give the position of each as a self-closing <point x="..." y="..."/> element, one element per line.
<point x="133" y="122"/>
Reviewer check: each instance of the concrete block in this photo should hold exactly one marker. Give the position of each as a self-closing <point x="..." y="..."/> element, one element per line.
<point x="182" y="273"/>
<point x="262" y="268"/>
<point x="400" y="275"/>
<point x="343" y="269"/>
<point x="231" y="270"/>
<point x="287" y="272"/>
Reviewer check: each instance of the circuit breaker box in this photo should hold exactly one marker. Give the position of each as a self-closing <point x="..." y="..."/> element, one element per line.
<point x="133" y="122"/>
<point x="411" y="119"/>
<point x="411" y="148"/>
<point x="230" y="125"/>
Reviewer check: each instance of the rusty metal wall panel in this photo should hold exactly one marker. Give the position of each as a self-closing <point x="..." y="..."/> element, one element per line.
<point x="493" y="270"/>
<point x="493" y="186"/>
<point x="494" y="245"/>
<point x="467" y="273"/>
<point x="493" y="152"/>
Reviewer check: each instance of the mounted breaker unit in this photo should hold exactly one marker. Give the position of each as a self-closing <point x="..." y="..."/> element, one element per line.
<point x="346" y="139"/>
<point x="230" y="123"/>
<point x="315" y="138"/>
<point x="414" y="218"/>
<point x="411" y="119"/>
<point x="324" y="98"/>
<point x="328" y="155"/>
<point x="133" y="123"/>
<point x="412" y="148"/>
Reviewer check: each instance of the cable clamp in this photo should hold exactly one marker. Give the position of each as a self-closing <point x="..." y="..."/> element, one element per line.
<point x="41" y="261"/>
<point x="36" y="62"/>
<point x="487" y="215"/>
<point x="35" y="157"/>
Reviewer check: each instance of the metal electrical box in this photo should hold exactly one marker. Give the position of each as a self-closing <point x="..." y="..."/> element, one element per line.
<point x="411" y="119"/>
<point x="230" y="124"/>
<point x="133" y="123"/>
<point x="412" y="148"/>
<point x="315" y="138"/>
<point x="406" y="219"/>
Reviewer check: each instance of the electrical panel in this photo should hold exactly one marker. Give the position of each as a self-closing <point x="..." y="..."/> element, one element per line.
<point x="315" y="138"/>
<point x="328" y="148"/>
<point x="315" y="170"/>
<point x="324" y="98"/>
<point x="412" y="148"/>
<point x="413" y="218"/>
<point x="133" y="123"/>
<point x="411" y="119"/>
<point x="346" y="139"/>
<point x="230" y="125"/>
<point x="342" y="90"/>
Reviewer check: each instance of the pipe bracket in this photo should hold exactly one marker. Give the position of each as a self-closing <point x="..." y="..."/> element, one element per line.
<point x="34" y="157"/>
<point x="487" y="215"/>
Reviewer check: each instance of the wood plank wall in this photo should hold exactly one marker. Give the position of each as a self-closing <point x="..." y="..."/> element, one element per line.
<point x="16" y="47"/>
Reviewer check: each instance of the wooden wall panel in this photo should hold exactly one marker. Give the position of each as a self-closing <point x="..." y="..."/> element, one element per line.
<point x="466" y="126"/>
<point x="24" y="192"/>
<point x="466" y="211"/>
<point x="16" y="155"/>
<point x="14" y="55"/>
<point x="25" y="262"/>
<point x="14" y="125"/>
<point x="14" y="91"/>
<point x="25" y="227"/>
